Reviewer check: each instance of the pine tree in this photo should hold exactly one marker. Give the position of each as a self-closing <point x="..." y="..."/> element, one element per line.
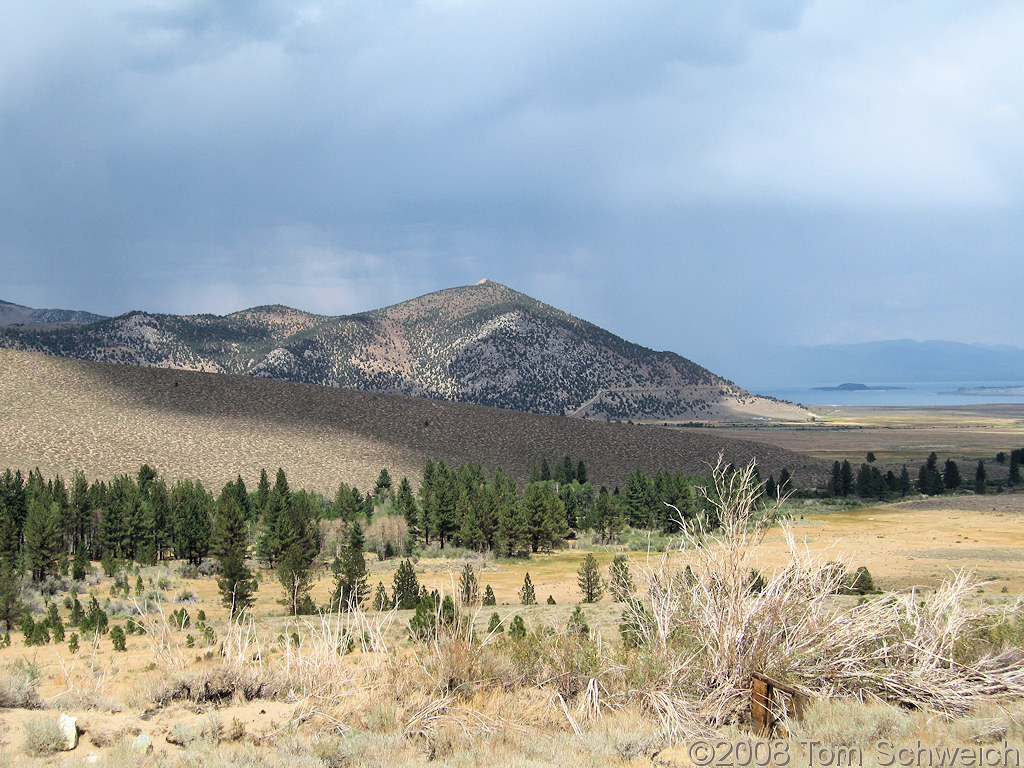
<point x="608" y="520"/>
<point x="929" y="479"/>
<point x="904" y="481"/>
<point x="1014" y="477"/>
<point x="581" y="473"/>
<point x="42" y="539"/>
<point x="577" y="624"/>
<point x="117" y="638"/>
<point x="469" y="587"/>
<point x="55" y="623"/>
<point x="406" y="505"/>
<point x="406" y="591"/>
<point x="951" y="478"/>
<point x="494" y="624"/>
<point x="835" y="483"/>
<point x="262" y="493"/>
<point x="381" y="601"/>
<point x="383" y="486"/>
<point x="193" y="509"/>
<point x="785" y="481"/>
<point x="298" y="533"/>
<point x="489" y="598"/>
<point x="589" y="580"/>
<point x="10" y="595"/>
<point x="527" y="596"/>
<point x="350" y="572"/>
<point x="980" y="477"/>
<point x="230" y="533"/>
<point x="620" y="579"/>
<point x="846" y="478"/>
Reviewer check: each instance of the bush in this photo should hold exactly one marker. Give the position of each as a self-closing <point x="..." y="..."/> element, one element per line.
<point x="43" y="736"/>
<point x="430" y="617"/>
<point x="117" y="638"/>
<point x="578" y="622"/>
<point x="494" y="624"/>
<point x="18" y="689"/>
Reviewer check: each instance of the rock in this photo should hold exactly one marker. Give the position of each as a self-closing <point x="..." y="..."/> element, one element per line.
<point x="143" y="743"/>
<point x="69" y="731"/>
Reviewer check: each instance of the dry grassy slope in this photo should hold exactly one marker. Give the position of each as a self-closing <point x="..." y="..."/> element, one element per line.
<point x="62" y="415"/>
<point x="486" y="344"/>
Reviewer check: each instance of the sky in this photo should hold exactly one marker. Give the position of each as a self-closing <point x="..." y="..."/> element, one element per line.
<point x="712" y="178"/>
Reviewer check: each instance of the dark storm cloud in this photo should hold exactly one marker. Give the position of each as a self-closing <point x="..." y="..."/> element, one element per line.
<point x="687" y="173"/>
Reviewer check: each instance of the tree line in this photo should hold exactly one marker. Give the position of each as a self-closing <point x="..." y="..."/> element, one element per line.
<point x="49" y="526"/>
<point x="868" y="482"/>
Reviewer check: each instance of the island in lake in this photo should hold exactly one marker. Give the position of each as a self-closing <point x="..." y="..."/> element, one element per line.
<point x="999" y="391"/>
<point x="857" y="388"/>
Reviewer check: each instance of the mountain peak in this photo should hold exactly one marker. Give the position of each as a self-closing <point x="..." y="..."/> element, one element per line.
<point x="484" y="343"/>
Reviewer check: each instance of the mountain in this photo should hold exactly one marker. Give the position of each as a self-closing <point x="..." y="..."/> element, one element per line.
<point x="485" y="344"/>
<point x="65" y="415"/>
<point x="879" y="362"/>
<point x="15" y="314"/>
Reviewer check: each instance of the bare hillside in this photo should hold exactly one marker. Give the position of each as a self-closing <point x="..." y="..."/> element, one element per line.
<point x="62" y="415"/>
<point x="485" y="344"/>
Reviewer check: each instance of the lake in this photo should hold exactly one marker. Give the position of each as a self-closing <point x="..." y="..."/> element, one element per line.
<point x="915" y="393"/>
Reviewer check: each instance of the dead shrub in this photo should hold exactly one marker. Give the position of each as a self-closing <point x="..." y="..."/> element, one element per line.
<point x="712" y="631"/>
<point x="221" y="684"/>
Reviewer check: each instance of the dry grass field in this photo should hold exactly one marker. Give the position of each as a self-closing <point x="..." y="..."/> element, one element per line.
<point x="64" y="415"/>
<point x="347" y="709"/>
<point x="896" y="434"/>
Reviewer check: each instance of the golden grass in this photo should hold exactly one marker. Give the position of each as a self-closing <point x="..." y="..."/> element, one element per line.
<point x="898" y="434"/>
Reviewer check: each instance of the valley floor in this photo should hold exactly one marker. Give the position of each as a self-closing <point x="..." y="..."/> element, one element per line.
<point x="402" y="703"/>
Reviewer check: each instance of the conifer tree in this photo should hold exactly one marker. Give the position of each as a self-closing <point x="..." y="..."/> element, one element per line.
<point x="620" y="579"/>
<point x="494" y="624"/>
<point x="527" y="596"/>
<point x="980" y="476"/>
<point x="904" y="481"/>
<point x="589" y="580"/>
<point x="229" y="543"/>
<point x="55" y="623"/>
<point x="383" y="486"/>
<point x="406" y="590"/>
<point x="577" y="624"/>
<point x="1014" y="477"/>
<point x="489" y="598"/>
<point x="42" y="539"/>
<point x="406" y="505"/>
<point x="469" y="587"/>
<point x="381" y="601"/>
<point x="951" y="478"/>
<point x="10" y="595"/>
<point x="471" y="535"/>
<point x="846" y="478"/>
<point x="262" y="493"/>
<point x="608" y="520"/>
<point x="581" y="473"/>
<point x="299" y="541"/>
<point x="350" y="572"/>
<point x="192" y="512"/>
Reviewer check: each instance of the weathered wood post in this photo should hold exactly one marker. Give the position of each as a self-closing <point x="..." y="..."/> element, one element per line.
<point x="772" y="702"/>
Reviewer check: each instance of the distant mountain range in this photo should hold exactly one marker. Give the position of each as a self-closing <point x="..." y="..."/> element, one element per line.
<point x="15" y="314"/>
<point x="881" y="362"/>
<point x="485" y="344"/>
